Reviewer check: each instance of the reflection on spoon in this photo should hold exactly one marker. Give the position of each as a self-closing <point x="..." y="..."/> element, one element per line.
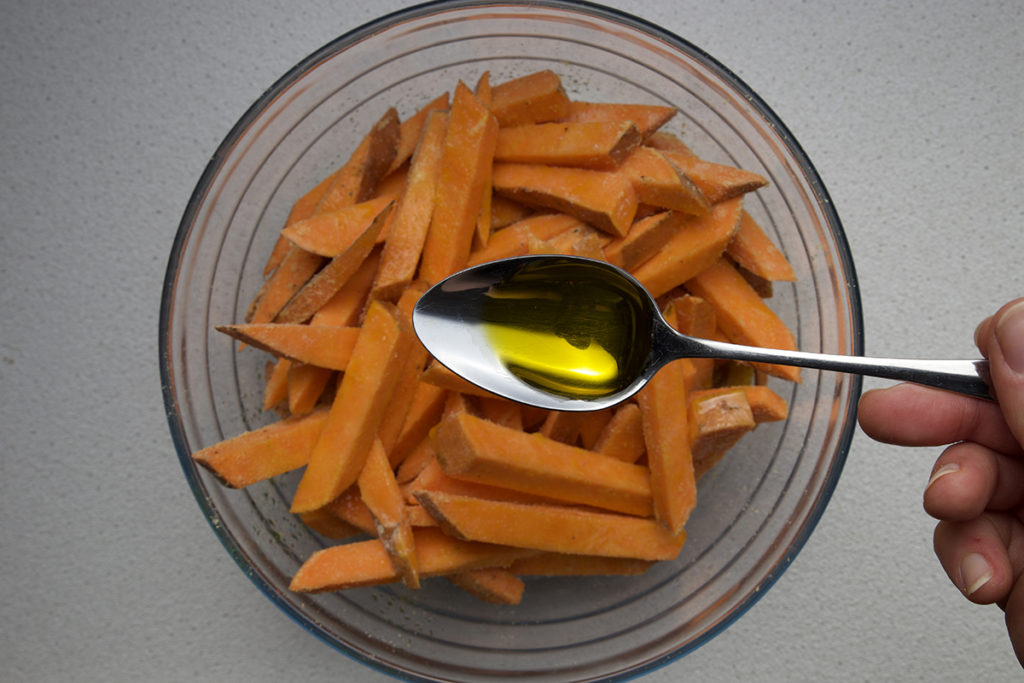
<point x="569" y="333"/>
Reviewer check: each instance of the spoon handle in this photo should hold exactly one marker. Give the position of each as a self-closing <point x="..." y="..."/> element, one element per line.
<point x="962" y="376"/>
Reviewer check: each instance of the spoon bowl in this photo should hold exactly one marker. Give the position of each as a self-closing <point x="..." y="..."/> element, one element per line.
<point x="576" y="334"/>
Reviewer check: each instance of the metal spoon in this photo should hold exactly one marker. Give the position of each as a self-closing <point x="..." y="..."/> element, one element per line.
<point x="457" y="321"/>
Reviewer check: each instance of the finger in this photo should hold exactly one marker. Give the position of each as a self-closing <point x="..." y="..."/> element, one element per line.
<point x="913" y="415"/>
<point x="969" y="478"/>
<point x="975" y="555"/>
<point x="1015" y="619"/>
<point x="1003" y="339"/>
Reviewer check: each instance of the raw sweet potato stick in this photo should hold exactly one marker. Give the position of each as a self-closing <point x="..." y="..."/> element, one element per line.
<point x="366" y="388"/>
<point x="465" y="168"/>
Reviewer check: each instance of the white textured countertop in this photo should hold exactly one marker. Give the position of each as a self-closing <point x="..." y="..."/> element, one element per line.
<point x="110" y="111"/>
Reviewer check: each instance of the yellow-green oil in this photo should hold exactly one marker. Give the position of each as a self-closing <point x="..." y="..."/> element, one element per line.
<point x="572" y="330"/>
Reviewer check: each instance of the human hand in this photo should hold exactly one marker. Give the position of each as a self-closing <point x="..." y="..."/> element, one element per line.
<point x="976" y="489"/>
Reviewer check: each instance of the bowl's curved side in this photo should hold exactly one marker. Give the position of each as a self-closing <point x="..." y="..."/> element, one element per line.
<point x="757" y="508"/>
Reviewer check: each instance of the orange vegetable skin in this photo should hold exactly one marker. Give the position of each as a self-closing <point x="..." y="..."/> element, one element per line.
<point x="697" y="244"/>
<point x="606" y="200"/>
<point x="717" y="181"/>
<point x="356" y="180"/>
<point x="476" y="450"/>
<point x="277" y="384"/>
<point x="663" y="407"/>
<point x="380" y="492"/>
<point x="330" y="234"/>
<point x="465" y="167"/>
<point x="597" y="144"/>
<point x="326" y="347"/>
<point x="717" y="422"/>
<point x="412" y="128"/>
<point x="496" y="585"/>
<point x="752" y="249"/>
<point x="514" y="240"/>
<point x="623" y="437"/>
<point x="661" y="183"/>
<point x="265" y="452"/>
<point x="644" y="239"/>
<point x="306" y="384"/>
<point x="693" y="316"/>
<point x="332" y="277"/>
<point x="408" y="231"/>
<point x="743" y="315"/>
<point x="366" y="389"/>
<point x="352" y="183"/>
<point x="647" y="117"/>
<point x="535" y="98"/>
<point x="367" y="563"/>
<point x="345" y="308"/>
<point x="553" y="528"/>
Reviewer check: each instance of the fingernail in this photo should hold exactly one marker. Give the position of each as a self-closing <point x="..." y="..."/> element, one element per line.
<point x="975" y="572"/>
<point x="949" y="468"/>
<point x="1010" y="336"/>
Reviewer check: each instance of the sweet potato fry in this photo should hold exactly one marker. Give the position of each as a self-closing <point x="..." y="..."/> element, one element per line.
<point x="659" y="182"/>
<point x="752" y="249"/>
<point x="379" y="490"/>
<point x="552" y="528"/>
<point x="495" y="585"/>
<point x="331" y="234"/>
<point x="276" y="389"/>
<point x="717" y="181"/>
<point x="743" y="315"/>
<point x="697" y="244"/>
<point x="535" y="98"/>
<point x="696" y="317"/>
<point x="663" y="407"/>
<point x="716" y="423"/>
<point x="408" y="232"/>
<point x="599" y="145"/>
<point x="476" y="450"/>
<point x="765" y="404"/>
<point x="411" y="129"/>
<point x="265" y="452"/>
<point x="356" y="180"/>
<point x="329" y="525"/>
<point x="326" y="347"/>
<point x="424" y="411"/>
<point x="295" y="270"/>
<point x="505" y="212"/>
<point x="345" y="308"/>
<point x="647" y="117"/>
<point x="306" y="384"/>
<point x="302" y="209"/>
<point x="606" y="200"/>
<point x="350" y="508"/>
<point x="431" y="477"/>
<point x="644" y="239"/>
<point x="514" y="240"/>
<point x="367" y="563"/>
<point x="366" y="388"/>
<point x="623" y="436"/>
<point x="440" y="376"/>
<point x="333" y="276"/>
<point x="465" y="168"/>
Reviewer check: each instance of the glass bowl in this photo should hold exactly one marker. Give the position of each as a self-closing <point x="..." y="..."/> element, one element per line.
<point x="756" y="508"/>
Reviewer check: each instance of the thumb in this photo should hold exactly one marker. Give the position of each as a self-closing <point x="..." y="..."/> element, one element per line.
<point x="1006" y="363"/>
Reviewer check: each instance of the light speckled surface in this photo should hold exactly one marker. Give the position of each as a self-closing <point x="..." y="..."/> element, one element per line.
<point x="109" y="114"/>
